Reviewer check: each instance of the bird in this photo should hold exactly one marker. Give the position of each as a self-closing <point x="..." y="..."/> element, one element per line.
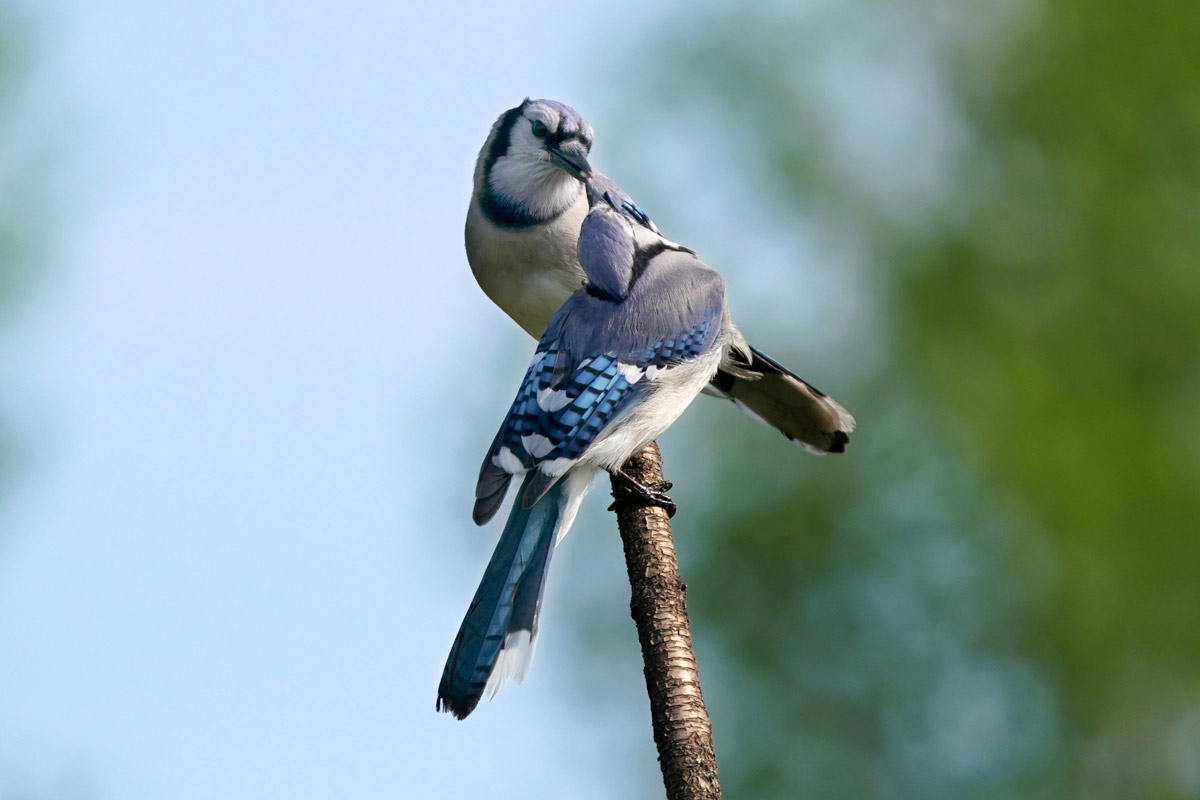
<point x="617" y="364"/>
<point x="523" y="222"/>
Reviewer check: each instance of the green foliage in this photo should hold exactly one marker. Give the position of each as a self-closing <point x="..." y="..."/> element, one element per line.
<point x="996" y="593"/>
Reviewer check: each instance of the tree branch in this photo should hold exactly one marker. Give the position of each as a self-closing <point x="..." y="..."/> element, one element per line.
<point x="682" y="730"/>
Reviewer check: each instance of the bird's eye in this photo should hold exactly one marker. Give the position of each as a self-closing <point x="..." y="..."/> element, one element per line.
<point x="539" y="129"/>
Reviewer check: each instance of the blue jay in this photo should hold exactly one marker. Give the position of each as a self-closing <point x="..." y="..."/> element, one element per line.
<point x="522" y="227"/>
<point x="618" y="363"/>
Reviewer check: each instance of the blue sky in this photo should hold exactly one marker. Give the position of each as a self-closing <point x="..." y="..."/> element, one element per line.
<point x="249" y="399"/>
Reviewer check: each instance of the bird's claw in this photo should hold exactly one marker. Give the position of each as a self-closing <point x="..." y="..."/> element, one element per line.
<point x="634" y="492"/>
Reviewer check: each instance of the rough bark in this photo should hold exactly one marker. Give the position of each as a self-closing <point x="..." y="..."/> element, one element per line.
<point x="682" y="730"/>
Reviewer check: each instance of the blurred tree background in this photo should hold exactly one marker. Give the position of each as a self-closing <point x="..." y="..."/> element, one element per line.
<point x="995" y="593"/>
<point x="12" y="244"/>
<point x="27" y="187"/>
<point x="25" y="182"/>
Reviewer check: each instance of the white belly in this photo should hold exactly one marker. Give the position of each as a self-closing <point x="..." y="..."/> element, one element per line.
<point x="648" y="420"/>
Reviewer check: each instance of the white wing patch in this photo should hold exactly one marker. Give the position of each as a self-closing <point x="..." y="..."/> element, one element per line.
<point x="551" y="400"/>
<point x="536" y="445"/>
<point x="556" y="467"/>
<point x="506" y="460"/>
<point x="631" y="373"/>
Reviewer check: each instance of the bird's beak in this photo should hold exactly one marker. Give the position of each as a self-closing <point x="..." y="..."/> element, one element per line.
<point x="571" y="158"/>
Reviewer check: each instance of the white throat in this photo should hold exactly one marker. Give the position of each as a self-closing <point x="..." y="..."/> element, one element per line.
<point x="534" y="184"/>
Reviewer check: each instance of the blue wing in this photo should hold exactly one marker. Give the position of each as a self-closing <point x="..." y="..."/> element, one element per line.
<point x="565" y="404"/>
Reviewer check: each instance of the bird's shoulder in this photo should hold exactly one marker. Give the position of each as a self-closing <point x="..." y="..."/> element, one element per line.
<point x="619" y="200"/>
<point x="674" y="317"/>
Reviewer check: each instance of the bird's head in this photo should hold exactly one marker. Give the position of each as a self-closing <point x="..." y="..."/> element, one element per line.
<point x="535" y="159"/>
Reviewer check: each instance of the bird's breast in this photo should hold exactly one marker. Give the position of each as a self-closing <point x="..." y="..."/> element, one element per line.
<point x="528" y="272"/>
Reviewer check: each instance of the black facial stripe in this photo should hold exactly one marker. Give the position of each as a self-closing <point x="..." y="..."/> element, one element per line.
<point x="503" y="214"/>
<point x="559" y="136"/>
<point x="503" y="137"/>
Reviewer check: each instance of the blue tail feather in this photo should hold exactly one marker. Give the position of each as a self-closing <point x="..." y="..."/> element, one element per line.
<point x="506" y="603"/>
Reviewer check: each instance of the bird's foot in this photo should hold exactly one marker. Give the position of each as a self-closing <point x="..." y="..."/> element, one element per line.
<point x="633" y="492"/>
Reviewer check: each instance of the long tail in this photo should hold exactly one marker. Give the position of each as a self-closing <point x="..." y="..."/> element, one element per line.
<point x="773" y="394"/>
<point x="498" y="634"/>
